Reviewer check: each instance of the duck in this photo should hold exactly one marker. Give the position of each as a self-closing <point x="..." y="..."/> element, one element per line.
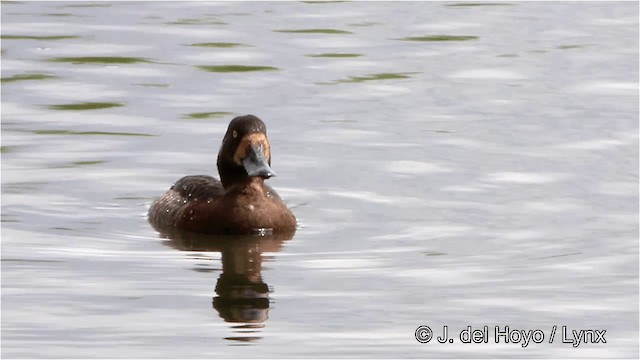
<point x="239" y="203"/>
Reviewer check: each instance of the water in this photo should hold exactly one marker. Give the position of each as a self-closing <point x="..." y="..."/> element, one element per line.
<point x="448" y="164"/>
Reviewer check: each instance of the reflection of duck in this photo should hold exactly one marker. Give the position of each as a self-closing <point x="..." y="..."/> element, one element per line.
<point x="240" y="203"/>
<point x="242" y="295"/>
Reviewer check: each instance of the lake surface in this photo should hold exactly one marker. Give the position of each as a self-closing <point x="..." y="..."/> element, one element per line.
<point x="450" y="164"/>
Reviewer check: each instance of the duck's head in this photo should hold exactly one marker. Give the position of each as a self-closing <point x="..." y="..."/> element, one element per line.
<point x="245" y="151"/>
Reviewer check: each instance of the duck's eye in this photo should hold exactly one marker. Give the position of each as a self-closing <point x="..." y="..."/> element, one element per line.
<point x="235" y="134"/>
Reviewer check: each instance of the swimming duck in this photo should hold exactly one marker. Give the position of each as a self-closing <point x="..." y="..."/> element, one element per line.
<point x="238" y="203"/>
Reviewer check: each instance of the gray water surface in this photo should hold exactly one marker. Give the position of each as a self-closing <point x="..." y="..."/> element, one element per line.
<point x="450" y="164"/>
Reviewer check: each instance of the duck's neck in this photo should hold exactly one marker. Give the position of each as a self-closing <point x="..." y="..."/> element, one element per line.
<point x="231" y="174"/>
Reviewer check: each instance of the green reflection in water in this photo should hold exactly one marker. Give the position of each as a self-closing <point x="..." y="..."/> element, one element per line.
<point x="433" y="253"/>
<point x="508" y="55"/>
<point x="85" y="106"/>
<point x="441" y="131"/>
<point x="314" y="31"/>
<point x="23" y="187"/>
<point x="206" y="115"/>
<point x="440" y="38"/>
<point x="334" y="55"/>
<point x="21" y="77"/>
<point x="235" y="68"/>
<point x="87" y="162"/>
<point x="569" y="47"/>
<point x="218" y="44"/>
<point x="76" y="164"/>
<point x="100" y="60"/>
<point x="37" y="37"/>
<point x="70" y="132"/>
<point x="4" y="149"/>
<point x="197" y="22"/>
<point x="131" y="198"/>
<point x="374" y="77"/>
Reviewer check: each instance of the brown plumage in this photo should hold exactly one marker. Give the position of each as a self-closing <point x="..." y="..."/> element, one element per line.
<point x="238" y="203"/>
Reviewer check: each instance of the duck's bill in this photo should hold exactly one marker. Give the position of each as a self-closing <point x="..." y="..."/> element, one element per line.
<point x="256" y="164"/>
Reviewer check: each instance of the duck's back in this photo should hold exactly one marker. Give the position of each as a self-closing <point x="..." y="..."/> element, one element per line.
<point x="169" y="209"/>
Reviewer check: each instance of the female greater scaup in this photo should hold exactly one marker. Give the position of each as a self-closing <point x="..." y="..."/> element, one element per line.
<point x="240" y="203"/>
